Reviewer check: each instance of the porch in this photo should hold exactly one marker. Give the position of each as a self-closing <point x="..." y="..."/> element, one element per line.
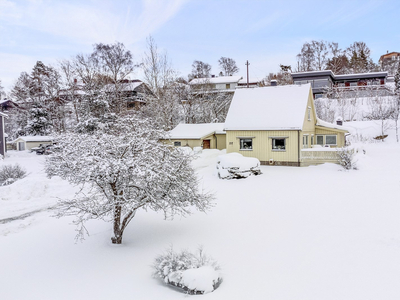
<point x="316" y="156"/>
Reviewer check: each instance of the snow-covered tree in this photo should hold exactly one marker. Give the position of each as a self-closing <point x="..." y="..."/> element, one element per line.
<point x="37" y="96"/>
<point x="123" y="168"/>
<point x="38" y="121"/>
<point x="228" y="66"/>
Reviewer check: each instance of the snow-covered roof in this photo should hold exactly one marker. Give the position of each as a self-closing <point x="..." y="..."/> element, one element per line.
<point x="251" y="80"/>
<point x="330" y="125"/>
<point x="35" y="138"/>
<point x="215" y="80"/>
<point x="125" y="87"/>
<point x="4" y="115"/>
<point x="196" y="131"/>
<point x="268" y="108"/>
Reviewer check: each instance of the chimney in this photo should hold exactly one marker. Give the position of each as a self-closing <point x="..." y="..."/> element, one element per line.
<point x="274" y="82"/>
<point x="339" y="121"/>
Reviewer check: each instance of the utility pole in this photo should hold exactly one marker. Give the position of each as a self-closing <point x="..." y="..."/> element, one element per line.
<point x="247" y="64"/>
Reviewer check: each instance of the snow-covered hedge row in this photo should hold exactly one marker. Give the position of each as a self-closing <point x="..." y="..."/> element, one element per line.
<point x="235" y="166"/>
<point x="193" y="273"/>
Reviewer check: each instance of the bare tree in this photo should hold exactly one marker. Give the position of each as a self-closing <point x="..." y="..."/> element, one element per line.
<point x="381" y="110"/>
<point x="161" y="78"/>
<point x="338" y="63"/>
<point x="306" y="58"/>
<point x="396" y="104"/>
<point x="157" y="69"/>
<point x="320" y="54"/>
<point x="228" y="66"/>
<point x="200" y="70"/>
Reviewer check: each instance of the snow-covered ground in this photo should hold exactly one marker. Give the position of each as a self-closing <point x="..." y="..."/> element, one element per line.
<point x="290" y="233"/>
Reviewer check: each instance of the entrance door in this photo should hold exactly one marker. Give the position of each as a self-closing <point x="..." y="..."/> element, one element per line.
<point x="21" y="146"/>
<point x="206" y="144"/>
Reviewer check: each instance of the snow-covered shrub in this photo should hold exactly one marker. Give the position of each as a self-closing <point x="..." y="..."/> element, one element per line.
<point x="194" y="273"/>
<point x="9" y="174"/>
<point x="235" y="166"/>
<point x="346" y="158"/>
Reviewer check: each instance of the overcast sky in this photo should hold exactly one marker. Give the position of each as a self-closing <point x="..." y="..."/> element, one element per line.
<point x="267" y="33"/>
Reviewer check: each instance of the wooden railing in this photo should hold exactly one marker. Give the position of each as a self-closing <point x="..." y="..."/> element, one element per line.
<point x="320" y="155"/>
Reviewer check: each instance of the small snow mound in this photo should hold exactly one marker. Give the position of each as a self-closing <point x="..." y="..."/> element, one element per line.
<point x="202" y="279"/>
<point x="235" y="166"/>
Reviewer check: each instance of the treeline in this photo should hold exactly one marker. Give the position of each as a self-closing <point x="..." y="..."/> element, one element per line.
<point x="89" y="90"/>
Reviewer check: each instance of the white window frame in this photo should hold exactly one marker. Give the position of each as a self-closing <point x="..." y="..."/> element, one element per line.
<point x="324" y="139"/>
<point x="273" y="139"/>
<point x="305" y="141"/>
<point x="241" y="144"/>
<point x="331" y="135"/>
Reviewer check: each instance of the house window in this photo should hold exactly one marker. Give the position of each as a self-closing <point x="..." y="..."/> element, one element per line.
<point x="320" y="140"/>
<point x="330" y="139"/>
<point x="177" y="144"/>
<point x="305" y="141"/>
<point x="228" y="86"/>
<point x="309" y="113"/>
<point x="246" y="144"/>
<point x="312" y="140"/>
<point x="279" y="144"/>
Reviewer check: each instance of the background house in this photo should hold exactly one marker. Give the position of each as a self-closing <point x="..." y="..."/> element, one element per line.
<point x="28" y="142"/>
<point x="275" y="124"/>
<point x="388" y="62"/>
<point x="7" y="105"/>
<point x="135" y="92"/>
<point x="208" y="136"/>
<point x="216" y="84"/>
<point x="322" y="81"/>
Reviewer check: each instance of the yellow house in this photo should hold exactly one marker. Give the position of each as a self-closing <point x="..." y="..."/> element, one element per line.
<point x="207" y="136"/>
<point x="278" y="125"/>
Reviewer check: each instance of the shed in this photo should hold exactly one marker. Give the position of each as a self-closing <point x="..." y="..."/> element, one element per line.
<point x="31" y="141"/>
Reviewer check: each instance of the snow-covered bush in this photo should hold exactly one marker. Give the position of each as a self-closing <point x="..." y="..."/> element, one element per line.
<point x="194" y="273"/>
<point x="346" y="158"/>
<point x="235" y="166"/>
<point x="9" y="174"/>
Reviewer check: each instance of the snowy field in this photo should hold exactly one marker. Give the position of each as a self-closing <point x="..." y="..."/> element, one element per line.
<point x="291" y="233"/>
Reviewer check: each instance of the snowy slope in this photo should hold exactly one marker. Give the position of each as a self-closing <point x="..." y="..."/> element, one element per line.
<point x="312" y="241"/>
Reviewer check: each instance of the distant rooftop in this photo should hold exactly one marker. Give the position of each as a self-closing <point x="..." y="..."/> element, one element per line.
<point x="215" y="80"/>
<point x="339" y="77"/>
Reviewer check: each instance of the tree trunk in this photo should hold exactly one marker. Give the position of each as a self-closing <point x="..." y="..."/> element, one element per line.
<point x="118" y="231"/>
